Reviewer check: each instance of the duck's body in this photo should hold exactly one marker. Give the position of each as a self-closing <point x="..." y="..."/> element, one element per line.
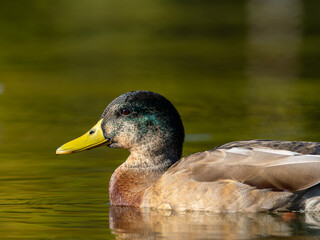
<point x="251" y="176"/>
<point x="239" y="176"/>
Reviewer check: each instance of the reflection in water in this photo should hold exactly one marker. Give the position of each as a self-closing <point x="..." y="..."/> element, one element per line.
<point x="136" y="223"/>
<point x="274" y="37"/>
<point x="1" y="88"/>
<point x="1" y="92"/>
<point x="198" y="137"/>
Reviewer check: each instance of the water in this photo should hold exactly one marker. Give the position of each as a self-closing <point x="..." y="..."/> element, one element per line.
<point x="236" y="70"/>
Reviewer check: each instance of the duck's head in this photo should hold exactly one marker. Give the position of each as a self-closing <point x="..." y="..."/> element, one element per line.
<point x="143" y="122"/>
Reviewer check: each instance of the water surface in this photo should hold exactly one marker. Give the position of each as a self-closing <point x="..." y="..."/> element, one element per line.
<point x="236" y="70"/>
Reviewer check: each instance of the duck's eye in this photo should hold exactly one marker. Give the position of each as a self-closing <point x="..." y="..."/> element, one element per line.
<point x="92" y="131"/>
<point x="125" y="111"/>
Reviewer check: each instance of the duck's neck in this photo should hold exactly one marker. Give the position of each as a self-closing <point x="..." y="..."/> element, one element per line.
<point x="130" y="181"/>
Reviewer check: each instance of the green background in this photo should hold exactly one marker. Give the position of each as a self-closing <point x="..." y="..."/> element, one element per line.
<point x="235" y="70"/>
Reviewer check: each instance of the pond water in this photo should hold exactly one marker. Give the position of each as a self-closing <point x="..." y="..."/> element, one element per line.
<point x="237" y="70"/>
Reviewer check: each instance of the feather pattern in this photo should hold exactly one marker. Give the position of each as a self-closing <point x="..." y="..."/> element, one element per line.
<point x="240" y="176"/>
<point x="258" y="167"/>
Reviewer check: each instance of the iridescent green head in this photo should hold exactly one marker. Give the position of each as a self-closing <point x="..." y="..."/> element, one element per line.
<point x="143" y="122"/>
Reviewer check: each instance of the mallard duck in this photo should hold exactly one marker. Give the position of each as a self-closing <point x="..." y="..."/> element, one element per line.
<point x="243" y="176"/>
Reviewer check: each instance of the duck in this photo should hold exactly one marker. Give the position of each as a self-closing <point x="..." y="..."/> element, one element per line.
<point x="242" y="176"/>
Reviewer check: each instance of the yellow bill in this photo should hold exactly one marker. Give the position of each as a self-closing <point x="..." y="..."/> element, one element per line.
<point x="92" y="139"/>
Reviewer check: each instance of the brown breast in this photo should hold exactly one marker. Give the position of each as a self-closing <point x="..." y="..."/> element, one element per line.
<point x="128" y="185"/>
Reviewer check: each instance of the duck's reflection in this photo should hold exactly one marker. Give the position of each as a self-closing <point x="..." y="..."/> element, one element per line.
<point x="136" y="223"/>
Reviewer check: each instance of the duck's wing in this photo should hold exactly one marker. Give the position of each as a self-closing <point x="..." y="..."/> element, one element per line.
<point x="294" y="146"/>
<point x="261" y="167"/>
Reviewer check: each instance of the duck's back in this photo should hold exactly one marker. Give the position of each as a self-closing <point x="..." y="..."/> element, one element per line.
<point x="256" y="175"/>
<point x="302" y="147"/>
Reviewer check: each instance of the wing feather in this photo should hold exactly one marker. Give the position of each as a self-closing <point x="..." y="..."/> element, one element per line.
<point x="260" y="167"/>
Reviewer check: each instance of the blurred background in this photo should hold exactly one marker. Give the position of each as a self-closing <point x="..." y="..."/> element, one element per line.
<point x="235" y="70"/>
